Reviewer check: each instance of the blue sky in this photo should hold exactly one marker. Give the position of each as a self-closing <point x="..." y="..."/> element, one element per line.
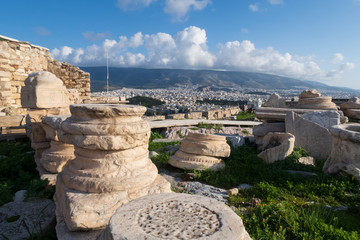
<point x="305" y="39"/>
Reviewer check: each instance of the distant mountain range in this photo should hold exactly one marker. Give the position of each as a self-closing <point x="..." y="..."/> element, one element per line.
<point x="164" y="78"/>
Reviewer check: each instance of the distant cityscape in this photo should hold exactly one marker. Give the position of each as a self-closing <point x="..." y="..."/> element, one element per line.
<point x="186" y="99"/>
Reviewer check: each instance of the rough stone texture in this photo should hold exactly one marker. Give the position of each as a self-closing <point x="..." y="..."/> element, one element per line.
<point x="56" y="157"/>
<point x="175" y="216"/>
<point x="351" y="108"/>
<point x="193" y="161"/>
<point x="311" y="99"/>
<point x="307" y="160"/>
<point x="310" y="94"/>
<point x="325" y="119"/>
<point x="309" y="135"/>
<point x="277" y="146"/>
<point x="18" y="59"/>
<point x="260" y="131"/>
<point x="201" y="151"/>
<point x="345" y="153"/>
<point x="173" y="132"/>
<point x="275" y="101"/>
<point x="111" y="165"/>
<point x="234" y="140"/>
<point x="205" y="144"/>
<point x="38" y="214"/>
<point x="44" y="90"/>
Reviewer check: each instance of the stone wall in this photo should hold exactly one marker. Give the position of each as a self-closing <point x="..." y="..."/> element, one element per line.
<point x="18" y="59"/>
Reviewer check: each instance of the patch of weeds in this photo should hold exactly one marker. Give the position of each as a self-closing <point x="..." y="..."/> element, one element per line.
<point x="205" y="125"/>
<point x="243" y="116"/>
<point x="155" y="135"/>
<point x="153" y="146"/>
<point x="18" y="171"/>
<point x="245" y="131"/>
<point x="161" y="159"/>
<point x="179" y="134"/>
<point x="218" y="127"/>
<point x="194" y="128"/>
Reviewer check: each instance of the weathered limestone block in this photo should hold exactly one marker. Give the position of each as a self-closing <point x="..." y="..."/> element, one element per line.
<point x="325" y="119"/>
<point x="345" y="152"/>
<point x="55" y="158"/>
<point x="277" y="146"/>
<point x="275" y="101"/>
<point x="111" y="165"/>
<point x="351" y="108"/>
<point x="193" y="161"/>
<point x="205" y="144"/>
<point x="44" y="90"/>
<point x="309" y="135"/>
<point x="201" y="151"/>
<point x="175" y="216"/>
<point x="261" y="130"/>
<point x="312" y="99"/>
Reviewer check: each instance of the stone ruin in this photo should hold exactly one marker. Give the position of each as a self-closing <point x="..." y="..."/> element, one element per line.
<point x="54" y="159"/>
<point x="351" y="108"/>
<point x="345" y="151"/>
<point x="43" y="94"/>
<point x="276" y="146"/>
<point x="201" y="151"/>
<point x="312" y="99"/>
<point x="309" y="122"/>
<point x="111" y="165"/>
<point x="187" y="217"/>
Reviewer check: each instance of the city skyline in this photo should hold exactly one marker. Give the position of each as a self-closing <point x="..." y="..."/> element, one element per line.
<point x="307" y="40"/>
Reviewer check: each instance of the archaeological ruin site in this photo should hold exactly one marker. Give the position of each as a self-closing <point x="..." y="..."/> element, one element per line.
<point x="118" y="174"/>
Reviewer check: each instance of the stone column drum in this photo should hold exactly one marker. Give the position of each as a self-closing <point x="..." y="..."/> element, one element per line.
<point x="345" y="152"/>
<point x="54" y="158"/>
<point x="111" y="165"/>
<point x="201" y="151"/>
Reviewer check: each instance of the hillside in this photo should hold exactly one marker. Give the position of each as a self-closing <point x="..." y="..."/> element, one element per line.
<point x="163" y="78"/>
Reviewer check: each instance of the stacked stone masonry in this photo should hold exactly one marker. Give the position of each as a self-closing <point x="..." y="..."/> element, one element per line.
<point x="19" y="59"/>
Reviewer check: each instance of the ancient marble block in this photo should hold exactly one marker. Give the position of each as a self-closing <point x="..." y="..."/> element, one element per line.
<point x="275" y="101"/>
<point x="111" y="165"/>
<point x="261" y="130"/>
<point x="205" y="144"/>
<point x="175" y="216"/>
<point x="193" y="161"/>
<point x="345" y="152"/>
<point x="312" y="99"/>
<point x="44" y="90"/>
<point x="201" y="151"/>
<point x="309" y="135"/>
<point x="277" y="146"/>
<point x="351" y="108"/>
<point x="325" y="118"/>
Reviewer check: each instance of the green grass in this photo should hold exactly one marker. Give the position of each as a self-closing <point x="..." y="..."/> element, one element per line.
<point x="286" y="211"/>
<point x="18" y="172"/>
<point x="245" y="116"/>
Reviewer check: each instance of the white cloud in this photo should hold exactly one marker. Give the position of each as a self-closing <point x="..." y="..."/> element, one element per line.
<point x="188" y="49"/>
<point x="93" y="37"/>
<point x="254" y="7"/>
<point x="337" y="58"/>
<point x="42" y="31"/>
<point x="274" y="2"/>
<point x="133" y="4"/>
<point x="178" y="9"/>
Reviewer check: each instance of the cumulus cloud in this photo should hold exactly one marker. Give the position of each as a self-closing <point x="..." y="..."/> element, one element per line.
<point x="93" y="37"/>
<point x="133" y="4"/>
<point x="337" y="58"/>
<point x="254" y="7"/>
<point x="274" y="2"/>
<point x="42" y="31"/>
<point x="178" y="9"/>
<point x="188" y="49"/>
